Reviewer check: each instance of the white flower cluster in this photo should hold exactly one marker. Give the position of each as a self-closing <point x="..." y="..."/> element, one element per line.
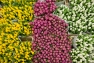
<point x="84" y="53"/>
<point x="80" y="15"/>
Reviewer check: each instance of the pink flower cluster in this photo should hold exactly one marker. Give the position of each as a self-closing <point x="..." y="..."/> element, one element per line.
<point x="42" y="8"/>
<point x="51" y="41"/>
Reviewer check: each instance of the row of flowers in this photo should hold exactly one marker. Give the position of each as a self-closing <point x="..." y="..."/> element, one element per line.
<point x="80" y="16"/>
<point x="14" y="22"/>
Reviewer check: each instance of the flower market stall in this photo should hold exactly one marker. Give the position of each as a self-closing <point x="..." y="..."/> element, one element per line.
<point x="46" y="31"/>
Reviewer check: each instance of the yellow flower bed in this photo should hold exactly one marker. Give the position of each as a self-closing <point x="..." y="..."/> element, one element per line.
<point x="15" y="22"/>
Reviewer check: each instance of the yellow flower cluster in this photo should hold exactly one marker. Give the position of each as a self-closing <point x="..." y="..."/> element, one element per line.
<point x="10" y="2"/>
<point x="15" y="22"/>
<point x="21" y="13"/>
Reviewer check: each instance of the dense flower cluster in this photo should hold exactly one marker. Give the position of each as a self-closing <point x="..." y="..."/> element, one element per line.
<point x="81" y="20"/>
<point x="51" y="41"/>
<point x="11" y="50"/>
<point x="50" y="38"/>
<point x="41" y="8"/>
<point x="84" y="53"/>
<point x="14" y="21"/>
<point x="21" y="15"/>
<point x="79" y="16"/>
<point x="17" y="2"/>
